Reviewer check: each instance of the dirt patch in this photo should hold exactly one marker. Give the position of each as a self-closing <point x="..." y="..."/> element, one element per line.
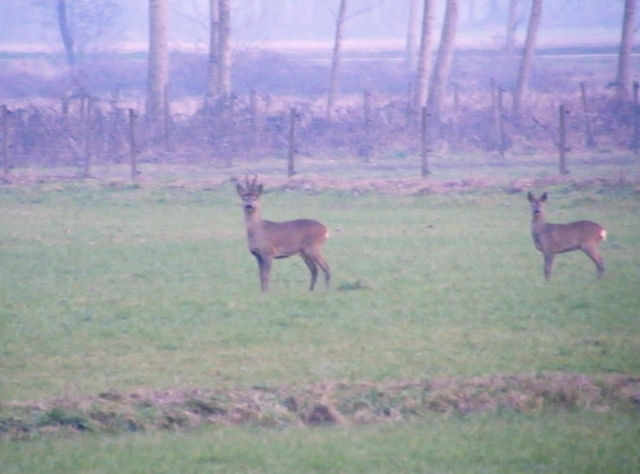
<point x="323" y="404"/>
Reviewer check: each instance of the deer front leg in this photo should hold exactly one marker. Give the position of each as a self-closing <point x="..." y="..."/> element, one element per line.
<point x="264" y="268"/>
<point x="548" y="265"/>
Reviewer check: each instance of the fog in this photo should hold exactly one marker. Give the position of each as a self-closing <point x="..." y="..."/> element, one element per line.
<point x="255" y="22"/>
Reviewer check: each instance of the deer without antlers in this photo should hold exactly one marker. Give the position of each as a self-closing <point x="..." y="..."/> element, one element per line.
<point x="552" y="239"/>
<point x="268" y="240"/>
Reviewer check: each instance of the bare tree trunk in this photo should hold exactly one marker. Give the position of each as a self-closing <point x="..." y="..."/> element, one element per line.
<point x="224" y="69"/>
<point x="624" y="57"/>
<point x="158" y="62"/>
<point x="424" y="58"/>
<point x="214" y="50"/>
<point x="412" y="34"/>
<point x="512" y="25"/>
<point x="443" y="61"/>
<point x="527" y="56"/>
<point x="335" y="63"/>
<point x="65" y="32"/>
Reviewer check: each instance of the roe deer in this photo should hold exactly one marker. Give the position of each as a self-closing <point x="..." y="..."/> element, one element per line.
<point x="552" y="239"/>
<point x="268" y="240"/>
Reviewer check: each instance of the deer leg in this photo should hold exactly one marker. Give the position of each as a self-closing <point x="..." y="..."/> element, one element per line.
<point x="325" y="269"/>
<point x="313" y="268"/>
<point x="548" y="265"/>
<point x="318" y="258"/>
<point x="594" y="255"/>
<point x="264" y="267"/>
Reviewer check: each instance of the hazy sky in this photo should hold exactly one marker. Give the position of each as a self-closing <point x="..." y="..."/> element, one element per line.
<point x="309" y="20"/>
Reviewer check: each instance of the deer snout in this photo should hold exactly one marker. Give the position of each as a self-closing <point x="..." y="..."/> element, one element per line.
<point x="249" y="207"/>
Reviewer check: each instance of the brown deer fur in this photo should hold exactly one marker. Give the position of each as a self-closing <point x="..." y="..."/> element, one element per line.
<point x="268" y="240"/>
<point x="552" y="239"/>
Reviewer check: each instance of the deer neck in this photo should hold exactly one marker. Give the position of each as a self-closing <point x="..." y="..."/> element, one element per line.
<point x="538" y="222"/>
<point x="254" y="225"/>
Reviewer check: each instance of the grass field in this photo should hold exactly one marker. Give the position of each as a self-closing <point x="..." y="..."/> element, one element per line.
<point x="134" y="288"/>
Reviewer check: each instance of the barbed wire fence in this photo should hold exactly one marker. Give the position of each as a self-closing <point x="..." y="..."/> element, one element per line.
<point x="77" y="133"/>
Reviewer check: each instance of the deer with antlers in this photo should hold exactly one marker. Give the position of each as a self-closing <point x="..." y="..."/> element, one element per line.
<point x="552" y="239"/>
<point x="272" y="240"/>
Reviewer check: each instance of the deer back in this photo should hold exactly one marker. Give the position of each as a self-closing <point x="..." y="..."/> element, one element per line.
<point x="559" y="238"/>
<point x="282" y="239"/>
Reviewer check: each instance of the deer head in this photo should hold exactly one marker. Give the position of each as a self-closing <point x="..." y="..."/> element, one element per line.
<point x="250" y="194"/>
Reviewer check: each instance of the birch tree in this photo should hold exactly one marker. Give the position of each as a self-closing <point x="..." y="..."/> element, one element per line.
<point x="424" y="57"/>
<point x="158" y="74"/>
<point x="412" y="34"/>
<point x="624" y="56"/>
<point x="224" y="48"/>
<point x="214" y="51"/>
<point x="335" y="62"/>
<point x="527" y="56"/>
<point x="81" y="23"/>
<point x="65" y="32"/>
<point x="443" y="60"/>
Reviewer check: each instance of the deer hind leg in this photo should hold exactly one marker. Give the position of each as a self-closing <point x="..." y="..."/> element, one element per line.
<point x="264" y="267"/>
<point x="318" y="258"/>
<point x="313" y="268"/>
<point x="548" y="265"/>
<point x="325" y="269"/>
<point x="594" y="255"/>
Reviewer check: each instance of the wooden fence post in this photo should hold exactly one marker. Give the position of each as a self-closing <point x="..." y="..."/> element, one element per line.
<point x="425" y="143"/>
<point x="253" y="105"/>
<point x="166" y="117"/>
<point x="589" y="139"/>
<point x="231" y="129"/>
<point x="502" y="137"/>
<point x="292" y="143"/>
<point x="367" y="126"/>
<point x="635" y="145"/>
<point x="495" y="117"/>
<point x="5" y="141"/>
<point x="88" y="138"/>
<point x="563" y="140"/>
<point x="410" y="110"/>
<point x="132" y="144"/>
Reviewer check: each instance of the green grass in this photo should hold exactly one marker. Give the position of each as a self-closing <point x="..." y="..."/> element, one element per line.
<point x="153" y="288"/>
<point x="504" y="443"/>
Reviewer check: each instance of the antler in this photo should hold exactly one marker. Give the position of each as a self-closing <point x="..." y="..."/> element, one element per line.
<point x="251" y="185"/>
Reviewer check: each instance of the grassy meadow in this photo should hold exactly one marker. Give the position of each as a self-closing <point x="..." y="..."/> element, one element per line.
<point x="129" y="288"/>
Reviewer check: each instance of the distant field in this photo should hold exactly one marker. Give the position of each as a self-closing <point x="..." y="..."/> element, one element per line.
<point x="142" y="288"/>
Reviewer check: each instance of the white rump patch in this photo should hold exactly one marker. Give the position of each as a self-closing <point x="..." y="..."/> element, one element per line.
<point x="603" y="234"/>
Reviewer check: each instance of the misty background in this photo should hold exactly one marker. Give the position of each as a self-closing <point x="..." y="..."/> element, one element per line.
<point x="32" y="23"/>
<point x="60" y="112"/>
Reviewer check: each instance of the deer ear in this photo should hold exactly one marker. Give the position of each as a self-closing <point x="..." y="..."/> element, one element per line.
<point x="543" y="198"/>
<point x="240" y="189"/>
<point x="260" y="189"/>
<point x="530" y="196"/>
